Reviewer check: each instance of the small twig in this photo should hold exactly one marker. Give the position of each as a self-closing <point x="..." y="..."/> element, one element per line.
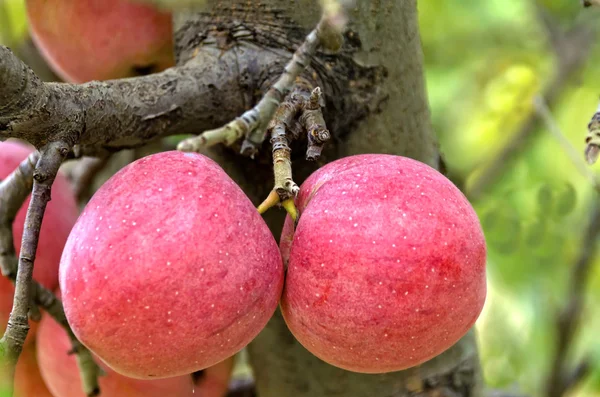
<point x="300" y="113"/>
<point x="544" y="113"/>
<point x="285" y="186"/>
<point x="46" y="168"/>
<point x="580" y="372"/>
<point x="254" y="122"/>
<point x="13" y="193"/>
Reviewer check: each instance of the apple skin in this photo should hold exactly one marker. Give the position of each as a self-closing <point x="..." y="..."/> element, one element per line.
<point x="100" y="39"/>
<point x="386" y="268"/>
<point x="170" y="269"/>
<point x="60" y="371"/>
<point x="60" y="216"/>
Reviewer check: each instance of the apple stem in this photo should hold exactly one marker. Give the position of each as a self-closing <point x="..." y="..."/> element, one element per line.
<point x="37" y="171"/>
<point x="271" y="201"/>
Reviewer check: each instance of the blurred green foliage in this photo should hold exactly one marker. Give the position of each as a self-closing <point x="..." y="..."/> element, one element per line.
<point x="13" y="21"/>
<point x="485" y="61"/>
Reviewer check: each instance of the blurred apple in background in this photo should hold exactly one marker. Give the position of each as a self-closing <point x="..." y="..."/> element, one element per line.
<point x="101" y="39"/>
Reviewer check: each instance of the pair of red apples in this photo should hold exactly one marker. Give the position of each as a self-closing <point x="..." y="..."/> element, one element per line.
<point x="170" y="269"/>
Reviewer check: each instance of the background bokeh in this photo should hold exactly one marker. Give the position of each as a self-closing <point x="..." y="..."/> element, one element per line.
<point x="485" y="62"/>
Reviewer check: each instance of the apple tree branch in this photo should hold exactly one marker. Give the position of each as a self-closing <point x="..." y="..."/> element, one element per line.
<point x="13" y="193"/>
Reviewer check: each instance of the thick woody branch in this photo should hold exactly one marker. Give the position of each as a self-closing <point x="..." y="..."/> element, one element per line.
<point x="285" y="186"/>
<point x="312" y="121"/>
<point x="109" y="116"/>
<point x="253" y="123"/>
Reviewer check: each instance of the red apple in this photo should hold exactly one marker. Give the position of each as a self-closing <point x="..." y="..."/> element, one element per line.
<point x="387" y="265"/>
<point x="61" y="214"/>
<point x="28" y="380"/>
<point x="170" y="269"/>
<point x="101" y="39"/>
<point x="61" y="374"/>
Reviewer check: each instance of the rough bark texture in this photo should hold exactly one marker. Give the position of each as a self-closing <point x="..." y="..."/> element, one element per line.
<point x="228" y="56"/>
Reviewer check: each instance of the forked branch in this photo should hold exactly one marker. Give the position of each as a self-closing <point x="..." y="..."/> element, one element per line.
<point x="38" y="170"/>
